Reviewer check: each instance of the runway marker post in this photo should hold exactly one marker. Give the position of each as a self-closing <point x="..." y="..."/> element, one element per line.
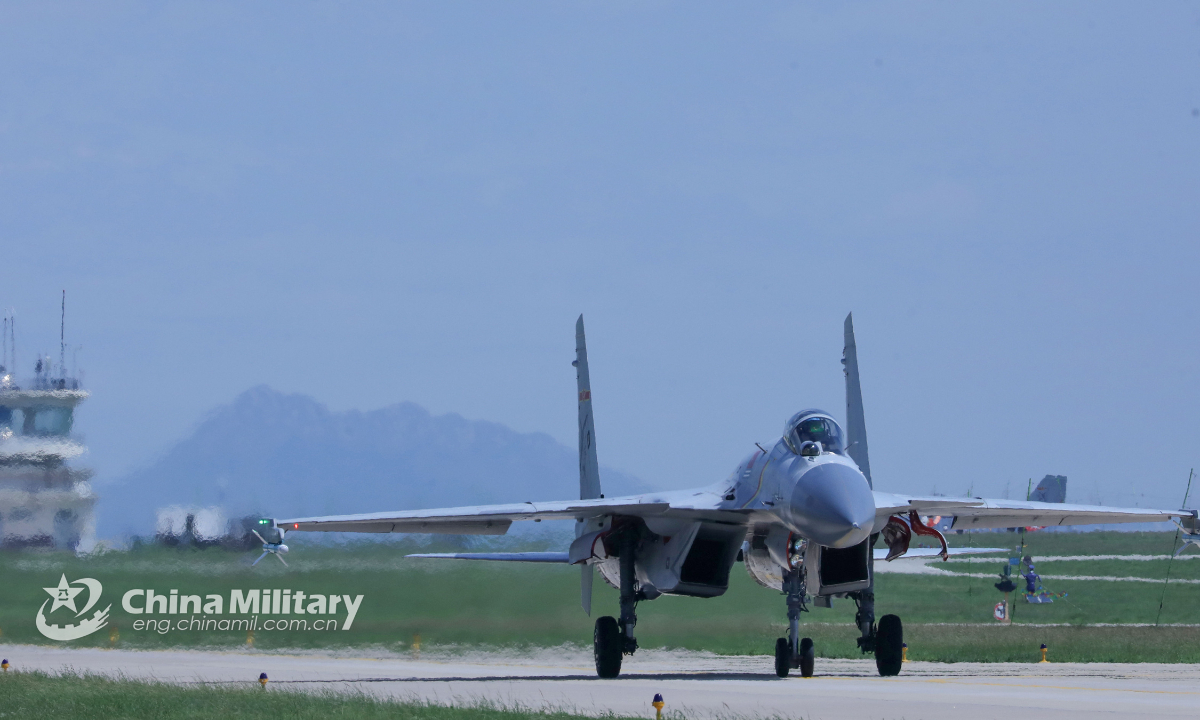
<point x="658" y="706"/>
<point x="1044" y="660"/>
<point x="262" y="680"/>
<point x="4" y="664"/>
<point x="904" y="652"/>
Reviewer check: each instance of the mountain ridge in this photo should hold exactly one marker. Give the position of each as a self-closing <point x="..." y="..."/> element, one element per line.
<point x="288" y="455"/>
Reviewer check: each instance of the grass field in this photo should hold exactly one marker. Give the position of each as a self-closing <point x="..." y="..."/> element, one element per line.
<point x="464" y="604"/>
<point x="66" y="697"/>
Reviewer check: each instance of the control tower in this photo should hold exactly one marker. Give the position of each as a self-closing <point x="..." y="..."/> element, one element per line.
<point x="44" y="503"/>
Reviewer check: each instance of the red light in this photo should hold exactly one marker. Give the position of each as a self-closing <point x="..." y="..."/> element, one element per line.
<point x="295" y="526"/>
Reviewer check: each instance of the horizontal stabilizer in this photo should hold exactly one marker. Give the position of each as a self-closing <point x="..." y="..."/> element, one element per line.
<point x="536" y="557"/>
<point x="881" y="553"/>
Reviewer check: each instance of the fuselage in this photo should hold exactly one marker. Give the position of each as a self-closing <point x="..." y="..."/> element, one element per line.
<point x="796" y="489"/>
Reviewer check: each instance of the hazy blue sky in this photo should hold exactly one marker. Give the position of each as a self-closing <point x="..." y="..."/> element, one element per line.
<point x="372" y="203"/>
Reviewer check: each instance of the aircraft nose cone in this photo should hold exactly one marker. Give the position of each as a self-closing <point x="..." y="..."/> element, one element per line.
<point x="832" y="505"/>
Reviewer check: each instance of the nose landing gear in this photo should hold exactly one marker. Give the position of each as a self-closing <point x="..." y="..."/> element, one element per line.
<point x="794" y="652"/>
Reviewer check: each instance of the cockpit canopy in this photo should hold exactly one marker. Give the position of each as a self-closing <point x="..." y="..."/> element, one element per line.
<point x="815" y="426"/>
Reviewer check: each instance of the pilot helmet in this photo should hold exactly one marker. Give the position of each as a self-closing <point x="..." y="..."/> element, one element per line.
<point x="813" y="426"/>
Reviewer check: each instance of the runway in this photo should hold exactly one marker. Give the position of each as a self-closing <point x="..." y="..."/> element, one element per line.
<point x="694" y="685"/>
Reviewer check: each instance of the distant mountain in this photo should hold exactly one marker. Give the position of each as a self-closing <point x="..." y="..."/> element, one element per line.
<point x="290" y="456"/>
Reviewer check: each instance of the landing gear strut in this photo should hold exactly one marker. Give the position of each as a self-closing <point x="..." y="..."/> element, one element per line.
<point x="886" y="640"/>
<point x="614" y="638"/>
<point x="865" y="618"/>
<point x="794" y="651"/>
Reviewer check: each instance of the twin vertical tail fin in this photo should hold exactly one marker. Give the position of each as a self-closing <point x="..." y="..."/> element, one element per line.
<point x="589" y="468"/>
<point x="856" y="423"/>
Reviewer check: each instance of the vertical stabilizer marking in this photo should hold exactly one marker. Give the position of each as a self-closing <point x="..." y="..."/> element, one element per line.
<point x="589" y="468"/>
<point x="856" y="423"/>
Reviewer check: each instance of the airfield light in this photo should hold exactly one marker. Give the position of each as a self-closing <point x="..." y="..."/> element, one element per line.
<point x="1044" y="653"/>
<point x="4" y="664"/>
<point x="658" y="705"/>
<point x="262" y="680"/>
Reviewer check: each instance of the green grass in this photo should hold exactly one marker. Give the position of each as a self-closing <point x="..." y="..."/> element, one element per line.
<point x="465" y="604"/>
<point x="66" y="697"/>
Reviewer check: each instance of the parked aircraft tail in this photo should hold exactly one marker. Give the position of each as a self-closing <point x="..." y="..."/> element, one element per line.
<point x="1052" y="489"/>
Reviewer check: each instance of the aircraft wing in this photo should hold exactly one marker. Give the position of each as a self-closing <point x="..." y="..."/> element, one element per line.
<point x="980" y="513"/>
<point x="534" y="557"/>
<point x="496" y="519"/>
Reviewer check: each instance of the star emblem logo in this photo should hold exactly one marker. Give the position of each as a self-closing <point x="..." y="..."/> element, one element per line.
<point x="64" y="595"/>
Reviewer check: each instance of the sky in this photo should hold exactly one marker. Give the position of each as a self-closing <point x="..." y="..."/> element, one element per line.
<point x="380" y="202"/>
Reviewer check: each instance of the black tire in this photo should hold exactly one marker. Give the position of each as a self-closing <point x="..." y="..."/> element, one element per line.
<point x="783" y="657"/>
<point x="889" y="646"/>
<point x="808" y="657"/>
<point x="607" y="643"/>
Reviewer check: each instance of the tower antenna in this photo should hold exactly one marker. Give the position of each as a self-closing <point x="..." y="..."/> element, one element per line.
<point x="62" y="339"/>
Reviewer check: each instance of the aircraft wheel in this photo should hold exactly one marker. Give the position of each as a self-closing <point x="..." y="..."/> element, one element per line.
<point x="783" y="657"/>
<point x="889" y="646"/>
<point x="607" y="643"/>
<point x="807" y="657"/>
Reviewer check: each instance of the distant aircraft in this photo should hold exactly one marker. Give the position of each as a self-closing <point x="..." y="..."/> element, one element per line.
<point x="801" y="515"/>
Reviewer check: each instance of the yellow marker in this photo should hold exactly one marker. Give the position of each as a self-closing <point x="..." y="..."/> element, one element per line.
<point x="262" y="680"/>
<point x="250" y="638"/>
<point x="114" y="636"/>
<point x="4" y="665"/>
<point x="1044" y="653"/>
<point x="658" y="706"/>
<point x="416" y="646"/>
<point x="904" y="652"/>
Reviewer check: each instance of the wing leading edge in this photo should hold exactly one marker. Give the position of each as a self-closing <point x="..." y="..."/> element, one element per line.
<point x="564" y="558"/>
<point x="496" y="519"/>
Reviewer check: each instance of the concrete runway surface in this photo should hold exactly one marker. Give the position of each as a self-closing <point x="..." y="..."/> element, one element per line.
<point x="695" y="685"/>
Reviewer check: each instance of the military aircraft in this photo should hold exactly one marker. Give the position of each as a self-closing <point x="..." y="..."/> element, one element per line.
<point x="801" y="514"/>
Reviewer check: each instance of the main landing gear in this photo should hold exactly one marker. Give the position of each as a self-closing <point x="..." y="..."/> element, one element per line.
<point x="613" y="638"/>
<point x="886" y="640"/>
<point x="794" y="652"/>
<point x="889" y="646"/>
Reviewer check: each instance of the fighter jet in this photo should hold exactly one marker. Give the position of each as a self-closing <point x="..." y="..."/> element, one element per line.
<point x="800" y="513"/>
